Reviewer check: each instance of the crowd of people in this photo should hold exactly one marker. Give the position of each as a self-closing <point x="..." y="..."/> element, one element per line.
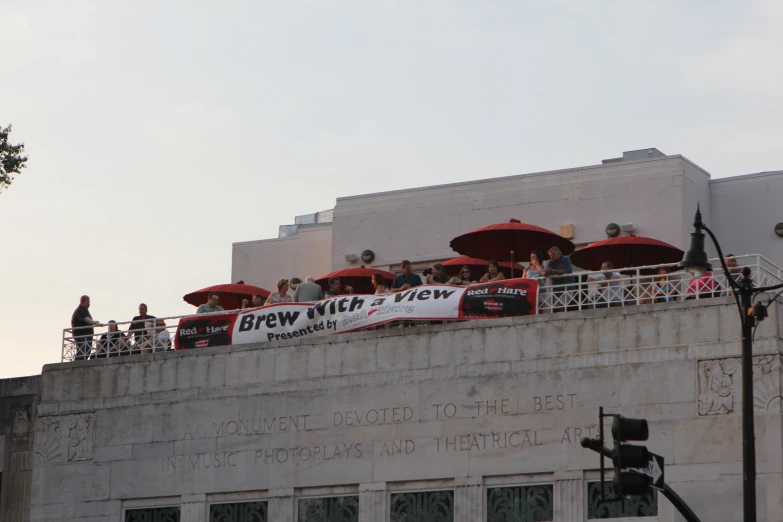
<point x="146" y="334"/>
<point x="607" y="288"/>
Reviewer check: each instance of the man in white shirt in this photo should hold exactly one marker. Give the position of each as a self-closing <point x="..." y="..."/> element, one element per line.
<point x="610" y="291"/>
<point x="162" y="336"/>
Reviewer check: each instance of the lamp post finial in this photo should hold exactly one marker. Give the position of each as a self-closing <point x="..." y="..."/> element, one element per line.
<point x="697" y="222"/>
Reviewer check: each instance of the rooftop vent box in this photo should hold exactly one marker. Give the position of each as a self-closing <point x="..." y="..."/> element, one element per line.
<point x="636" y="155"/>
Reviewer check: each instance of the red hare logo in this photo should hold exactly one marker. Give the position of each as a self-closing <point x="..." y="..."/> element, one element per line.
<point x="200" y="332"/>
<point x="500" y="299"/>
<point x="374" y="310"/>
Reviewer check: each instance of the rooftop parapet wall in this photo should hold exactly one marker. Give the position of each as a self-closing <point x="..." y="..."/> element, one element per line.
<point x="590" y="337"/>
<point x="508" y="397"/>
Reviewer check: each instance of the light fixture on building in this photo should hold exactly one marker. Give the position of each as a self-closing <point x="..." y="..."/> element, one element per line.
<point x="351" y="258"/>
<point x="627" y="228"/>
<point x="779" y="229"/>
<point x="612" y="230"/>
<point x="566" y="231"/>
<point x="368" y="256"/>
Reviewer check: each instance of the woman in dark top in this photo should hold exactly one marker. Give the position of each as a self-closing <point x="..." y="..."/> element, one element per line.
<point x="493" y="273"/>
<point x="438" y="275"/>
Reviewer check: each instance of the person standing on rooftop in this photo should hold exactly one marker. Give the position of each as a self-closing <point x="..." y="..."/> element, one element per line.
<point x="281" y="296"/>
<point x="493" y="273"/>
<point x="407" y="279"/>
<point x="308" y="292"/>
<point x="136" y="328"/>
<point x="334" y="288"/>
<point x="211" y="306"/>
<point x="464" y="278"/>
<point x="437" y="275"/>
<point x="83" y="325"/>
<point x="379" y="283"/>
<point x="559" y="268"/>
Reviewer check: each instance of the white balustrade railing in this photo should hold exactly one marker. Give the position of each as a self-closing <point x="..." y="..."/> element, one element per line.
<point x="643" y="285"/>
<point x="121" y="338"/>
<point x="636" y="286"/>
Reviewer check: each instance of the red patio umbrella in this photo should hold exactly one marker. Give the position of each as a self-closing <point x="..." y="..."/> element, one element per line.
<point x="478" y="267"/>
<point x="230" y="295"/>
<point x="626" y="252"/>
<point x="360" y="279"/>
<point x="505" y="241"/>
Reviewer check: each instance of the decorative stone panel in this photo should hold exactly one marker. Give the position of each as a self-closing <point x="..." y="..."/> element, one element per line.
<point x="635" y="506"/>
<point x="239" y="512"/>
<point x="720" y="383"/>
<point x="20" y="428"/>
<point x="329" y="509"/>
<point x="520" y="503"/>
<point x="425" y="506"/>
<point x="65" y="438"/>
<point x="157" y="514"/>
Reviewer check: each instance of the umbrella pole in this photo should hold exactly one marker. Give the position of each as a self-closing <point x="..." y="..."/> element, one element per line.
<point x="512" y="264"/>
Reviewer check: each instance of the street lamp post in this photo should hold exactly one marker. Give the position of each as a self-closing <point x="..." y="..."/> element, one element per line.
<point x="695" y="264"/>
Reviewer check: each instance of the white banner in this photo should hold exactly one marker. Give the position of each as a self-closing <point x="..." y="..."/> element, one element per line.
<point x="354" y="312"/>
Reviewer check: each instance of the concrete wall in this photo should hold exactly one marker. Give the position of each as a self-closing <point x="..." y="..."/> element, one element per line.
<point x="18" y="402"/>
<point x="418" y="224"/>
<point x="262" y="263"/>
<point x="457" y="406"/>
<point x="745" y="212"/>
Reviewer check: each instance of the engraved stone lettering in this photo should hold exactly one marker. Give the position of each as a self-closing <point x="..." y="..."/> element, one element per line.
<point x="487" y="441"/>
<point x="308" y="453"/>
<point x="257" y="426"/>
<point x="392" y="415"/>
<point x="492" y="407"/>
<point x="553" y="402"/>
<point x="398" y="447"/>
<point x="445" y="410"/>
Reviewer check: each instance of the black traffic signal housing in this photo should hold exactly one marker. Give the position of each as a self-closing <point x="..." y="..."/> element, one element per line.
<point x="626" y="456"/>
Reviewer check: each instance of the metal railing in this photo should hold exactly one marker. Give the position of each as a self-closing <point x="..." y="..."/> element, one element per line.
<point x="635" y="286"/>
<point x="644" y="285"/>
<point x="121" y="338"/>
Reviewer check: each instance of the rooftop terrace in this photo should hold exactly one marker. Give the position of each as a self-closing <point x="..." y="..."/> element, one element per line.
<point x="638" y="286"/>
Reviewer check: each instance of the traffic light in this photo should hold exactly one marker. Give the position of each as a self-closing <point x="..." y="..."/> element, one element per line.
<point x="626" y="456"/>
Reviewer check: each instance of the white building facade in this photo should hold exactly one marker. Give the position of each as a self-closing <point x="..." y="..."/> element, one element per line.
<point x="657" y="194"/>
<point x="475" y="421"/>
<point x="463" y="422"/>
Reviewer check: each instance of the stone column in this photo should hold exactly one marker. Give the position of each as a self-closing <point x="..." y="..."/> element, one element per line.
<point x="281" y="505"/>
<point x="15" y="502"/>
<point x="570" y="497"/>
<point x="193" y="508"/>
<point x="468" y="499"/>
<point x="373" y="504"/>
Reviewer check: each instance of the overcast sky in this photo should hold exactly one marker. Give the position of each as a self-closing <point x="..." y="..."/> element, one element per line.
<point x="159" y="132"/>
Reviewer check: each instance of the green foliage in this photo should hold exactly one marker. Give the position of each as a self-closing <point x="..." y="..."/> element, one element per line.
<point x="11" y="159"/>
